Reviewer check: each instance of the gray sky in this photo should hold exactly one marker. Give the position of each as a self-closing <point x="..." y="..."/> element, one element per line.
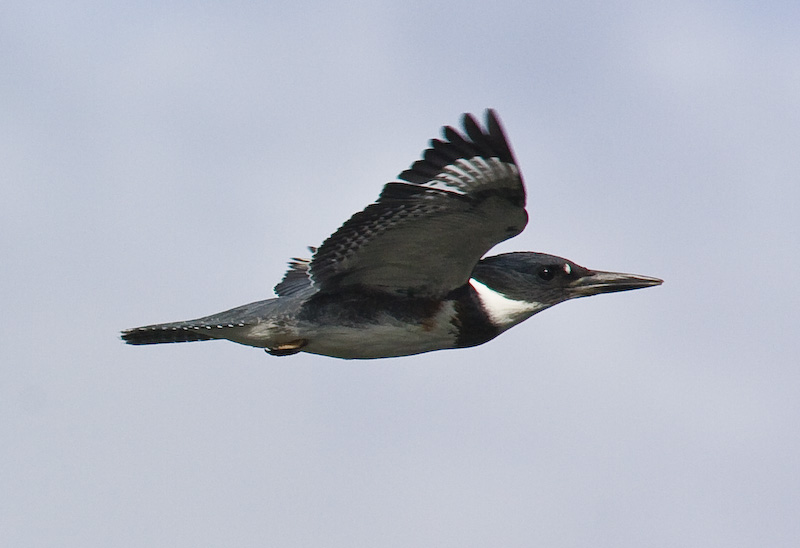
<point x="162" y="161"/>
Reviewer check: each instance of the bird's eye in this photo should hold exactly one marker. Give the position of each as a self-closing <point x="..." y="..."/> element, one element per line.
<point x="546" y="273"/>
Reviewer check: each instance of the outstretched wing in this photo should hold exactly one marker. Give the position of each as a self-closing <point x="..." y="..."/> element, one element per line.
<point x="424" y="235"/>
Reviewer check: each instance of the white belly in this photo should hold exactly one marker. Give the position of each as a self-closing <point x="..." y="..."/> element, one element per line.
<point x="383" y="340"/>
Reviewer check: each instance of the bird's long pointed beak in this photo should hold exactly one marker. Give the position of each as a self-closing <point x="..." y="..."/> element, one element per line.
<point x="597" y="281"/>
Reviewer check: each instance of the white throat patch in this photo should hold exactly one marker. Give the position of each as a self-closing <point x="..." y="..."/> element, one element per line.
<point x="503" y="312"/>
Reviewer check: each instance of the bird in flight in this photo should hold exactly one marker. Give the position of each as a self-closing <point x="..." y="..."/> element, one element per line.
<point x="406" y="274"/>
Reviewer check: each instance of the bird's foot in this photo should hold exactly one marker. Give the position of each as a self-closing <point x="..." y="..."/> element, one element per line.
<point x="287" y="349"/>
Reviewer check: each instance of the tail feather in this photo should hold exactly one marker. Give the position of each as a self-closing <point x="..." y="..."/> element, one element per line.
<point x="231" y="324"/>
<point x="163" y="333"/>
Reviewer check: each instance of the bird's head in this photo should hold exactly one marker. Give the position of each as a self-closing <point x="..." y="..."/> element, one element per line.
<point x="547" y="280"/>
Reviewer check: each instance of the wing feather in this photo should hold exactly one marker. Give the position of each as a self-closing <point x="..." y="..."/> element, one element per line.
<point x="296" y="281"/>
<point x="425" y="233"/>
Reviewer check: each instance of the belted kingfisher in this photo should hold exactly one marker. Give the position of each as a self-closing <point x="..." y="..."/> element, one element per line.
<point x="405" y="275"/>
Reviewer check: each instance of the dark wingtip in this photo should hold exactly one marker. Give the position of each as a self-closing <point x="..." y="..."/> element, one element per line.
<point x="497" y="136"/>
<point x="474" y="141"/>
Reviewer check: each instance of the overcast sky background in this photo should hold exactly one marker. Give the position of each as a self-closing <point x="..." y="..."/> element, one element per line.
<point x="161" y="161"/>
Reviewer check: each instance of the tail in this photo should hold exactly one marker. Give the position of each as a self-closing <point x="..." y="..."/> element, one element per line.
<point x="232" y="324"/>
<point x="165" y="333"/>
